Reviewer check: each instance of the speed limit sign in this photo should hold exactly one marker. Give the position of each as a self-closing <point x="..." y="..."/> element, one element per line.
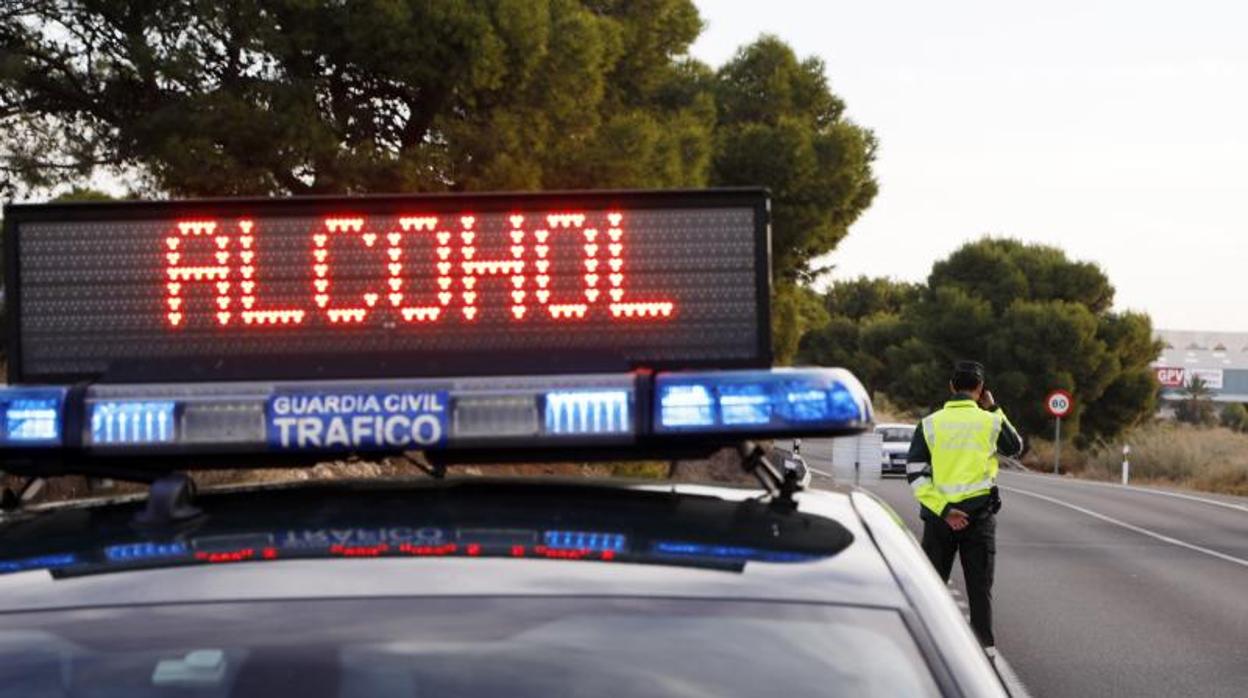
<point x="1059" y="403"/>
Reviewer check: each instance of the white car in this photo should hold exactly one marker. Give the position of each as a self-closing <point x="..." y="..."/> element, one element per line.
<point x="896" y="445"/>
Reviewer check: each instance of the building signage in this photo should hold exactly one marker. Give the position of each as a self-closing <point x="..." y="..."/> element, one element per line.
<point x="1170" y="377"/>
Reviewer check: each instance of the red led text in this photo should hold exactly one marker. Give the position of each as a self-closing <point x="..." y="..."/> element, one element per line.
<point x="564" y="266"/>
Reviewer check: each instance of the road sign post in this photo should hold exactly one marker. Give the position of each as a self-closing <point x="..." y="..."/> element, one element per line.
<point x="1057" y="446"/>
<point x="1059" y="403"/>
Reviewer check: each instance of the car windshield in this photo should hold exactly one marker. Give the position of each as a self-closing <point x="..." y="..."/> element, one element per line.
<point x="464" y="646"/>
<point x="896" y="434"/>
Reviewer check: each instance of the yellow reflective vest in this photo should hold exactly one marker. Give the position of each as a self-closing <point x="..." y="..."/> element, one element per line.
<point x="962" y="442"/>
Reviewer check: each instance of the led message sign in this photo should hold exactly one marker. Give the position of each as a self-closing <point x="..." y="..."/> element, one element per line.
<point x="387" y="286"/>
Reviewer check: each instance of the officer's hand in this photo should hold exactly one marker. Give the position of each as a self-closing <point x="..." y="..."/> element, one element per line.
<point x="957" y="519"/>
<point x="986" y="400"/>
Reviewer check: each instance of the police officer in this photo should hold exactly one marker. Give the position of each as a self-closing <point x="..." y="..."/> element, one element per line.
<point x="953" y="470"/>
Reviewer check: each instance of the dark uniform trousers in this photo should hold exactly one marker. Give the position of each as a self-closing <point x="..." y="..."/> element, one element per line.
<point x="977" y="546"/>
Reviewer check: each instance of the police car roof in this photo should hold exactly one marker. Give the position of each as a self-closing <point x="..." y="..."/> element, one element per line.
<point x="691" y="541"/>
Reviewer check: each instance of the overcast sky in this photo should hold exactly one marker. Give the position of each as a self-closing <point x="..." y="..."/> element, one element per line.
<point x="1115" y="129"/>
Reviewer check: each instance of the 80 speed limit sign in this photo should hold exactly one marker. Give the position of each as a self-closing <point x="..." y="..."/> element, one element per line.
<point x="1059" y="403"/>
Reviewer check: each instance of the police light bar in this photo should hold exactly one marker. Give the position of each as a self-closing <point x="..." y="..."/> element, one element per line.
<point x="526" y="413"/>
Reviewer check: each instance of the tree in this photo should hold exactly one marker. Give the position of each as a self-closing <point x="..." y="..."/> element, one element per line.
<point x="864" y="296"/>
<point x="793" y="308"/>
<point x="83" y="194"/>
<point x="1001" y="270"/>
<point x="1041" y="321"/>
<point x="278" y="97"/>
<point x="291" y="97"/>
<point x="1131" y="396"/>
<point x="864" y="319"/>
<point x="1196" y="408"/>
<point x="781" y="126"/>
<point x="1036" y="319"/>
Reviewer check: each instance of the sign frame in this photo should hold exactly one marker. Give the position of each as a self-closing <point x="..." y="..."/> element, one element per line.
<point x="1048" y="403"/>
<point x="286" y="367"/>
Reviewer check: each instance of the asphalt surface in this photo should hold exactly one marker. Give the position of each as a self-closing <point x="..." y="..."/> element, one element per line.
<point x="1109" y="591"/>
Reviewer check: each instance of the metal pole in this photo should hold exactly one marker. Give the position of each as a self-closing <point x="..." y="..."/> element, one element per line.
<point x="1057" y="445"/>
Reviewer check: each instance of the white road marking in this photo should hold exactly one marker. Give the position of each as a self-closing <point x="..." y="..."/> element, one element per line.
<point x="1147" y="490"/>
<point x="1132" y="527"/>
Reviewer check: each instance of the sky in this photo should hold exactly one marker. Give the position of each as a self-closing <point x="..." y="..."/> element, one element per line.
<point x="1114" y="129"/>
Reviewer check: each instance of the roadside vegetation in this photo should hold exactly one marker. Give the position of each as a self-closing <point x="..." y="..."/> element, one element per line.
<point x="1208" y="458"/>
<point x="1036" y="318"/>
<point x="1211" y="455"/>
<point x="887" y="411"/>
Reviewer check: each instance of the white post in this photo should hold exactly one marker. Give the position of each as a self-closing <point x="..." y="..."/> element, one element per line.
<point x="1126" y="464"/>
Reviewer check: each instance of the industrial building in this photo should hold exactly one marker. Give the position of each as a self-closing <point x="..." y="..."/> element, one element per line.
<point x="1218" y="358"/>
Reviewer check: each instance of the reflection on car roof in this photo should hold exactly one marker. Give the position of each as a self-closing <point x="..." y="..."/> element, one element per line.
<point x="464" y="537"/>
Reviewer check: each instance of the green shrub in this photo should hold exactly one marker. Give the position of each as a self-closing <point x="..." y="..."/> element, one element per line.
<point x="1235" y="416"/>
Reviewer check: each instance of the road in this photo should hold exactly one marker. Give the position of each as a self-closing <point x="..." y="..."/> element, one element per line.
<point x="1110" y="591"/>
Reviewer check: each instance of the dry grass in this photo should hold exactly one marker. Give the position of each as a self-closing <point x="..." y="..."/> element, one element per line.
<point x="721" y="468"/>
<point x="1213" y="459"/>
<point x="1040" y="456"/>
<point x="887" y="411"/>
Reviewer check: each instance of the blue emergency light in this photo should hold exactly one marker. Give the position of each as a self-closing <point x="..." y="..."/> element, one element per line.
<point x="31" y="416"/>
<point x="776" y="400"/>
<point x="132" y="421"/>
<point x="518" y="412"/>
